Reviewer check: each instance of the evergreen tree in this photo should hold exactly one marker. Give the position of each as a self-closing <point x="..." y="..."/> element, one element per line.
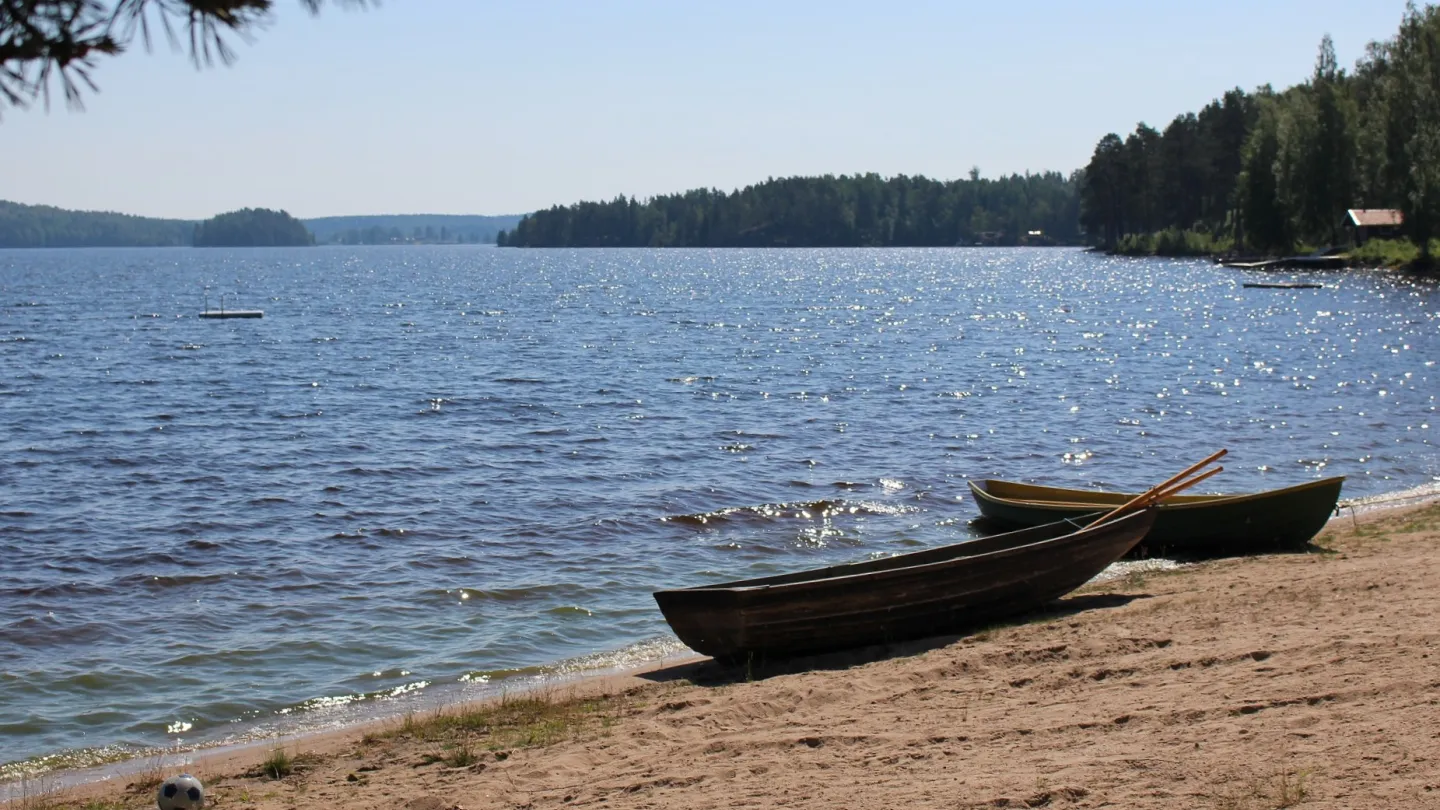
<point x="1413" y="123"/>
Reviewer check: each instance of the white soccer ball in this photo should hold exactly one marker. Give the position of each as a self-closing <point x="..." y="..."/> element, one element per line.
<point x="183" y="792"/>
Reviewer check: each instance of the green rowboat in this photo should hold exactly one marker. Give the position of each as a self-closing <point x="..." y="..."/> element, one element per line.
<point x="1198" y="525"/>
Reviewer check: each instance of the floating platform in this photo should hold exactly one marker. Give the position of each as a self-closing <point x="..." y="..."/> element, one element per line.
<point x="1290" y="263"/>
<point x="1285" y="285"/>
<point x="233" y="313"/>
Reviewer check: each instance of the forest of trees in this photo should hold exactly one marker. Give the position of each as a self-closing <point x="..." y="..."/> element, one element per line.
<point x="252" y="227"/>
<point x="404" y="229"/>
<point x="39" y="226"/>
<point x="31" y="226"/>
<point x="862" y="210"/>
<point x="1276" y="171"/>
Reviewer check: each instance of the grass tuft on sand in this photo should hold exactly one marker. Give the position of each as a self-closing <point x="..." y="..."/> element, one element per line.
<point x="530" y="720"/>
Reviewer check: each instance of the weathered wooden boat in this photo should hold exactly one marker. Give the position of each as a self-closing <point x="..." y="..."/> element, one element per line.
<point x="1185" y="524"/>
<point x="914" y="595"/>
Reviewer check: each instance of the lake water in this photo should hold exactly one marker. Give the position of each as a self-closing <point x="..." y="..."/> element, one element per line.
<point x="431" y="469"/>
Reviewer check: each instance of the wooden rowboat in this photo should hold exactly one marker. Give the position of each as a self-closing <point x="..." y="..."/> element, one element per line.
<point x="1186" y="524"/>
<point x="914" y="595"/>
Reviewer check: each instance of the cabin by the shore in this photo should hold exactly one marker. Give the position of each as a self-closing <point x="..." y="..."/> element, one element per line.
<point x="1373" y="223"/>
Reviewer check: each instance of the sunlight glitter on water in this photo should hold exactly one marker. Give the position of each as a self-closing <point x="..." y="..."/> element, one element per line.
<point x="230" y="524"/>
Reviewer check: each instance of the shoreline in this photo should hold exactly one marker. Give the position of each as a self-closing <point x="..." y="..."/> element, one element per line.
<point x="698" y="680"/>
<point x="297" y="724"/>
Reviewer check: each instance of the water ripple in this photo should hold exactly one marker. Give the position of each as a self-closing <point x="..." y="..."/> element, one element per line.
<point x="433" y="468"/>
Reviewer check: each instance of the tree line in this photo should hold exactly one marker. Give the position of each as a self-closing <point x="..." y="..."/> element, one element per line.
<point x="252" y="227"/>
<point x="1274" y="171"/>
<point x="25" y="226"/>
<point x="404" y="229"/>
<point x="862" y="210"/>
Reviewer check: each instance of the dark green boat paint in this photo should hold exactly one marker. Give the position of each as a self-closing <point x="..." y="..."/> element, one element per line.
<point x="1204" y="525"/>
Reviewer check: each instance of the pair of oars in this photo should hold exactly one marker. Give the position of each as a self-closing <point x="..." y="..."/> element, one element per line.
<point x="1177" y="483"/>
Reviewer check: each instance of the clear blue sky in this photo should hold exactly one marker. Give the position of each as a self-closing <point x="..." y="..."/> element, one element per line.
<point x="489" y="107"/>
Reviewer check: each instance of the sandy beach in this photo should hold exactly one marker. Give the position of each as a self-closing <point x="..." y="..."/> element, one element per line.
<point x="1276" y="681"/>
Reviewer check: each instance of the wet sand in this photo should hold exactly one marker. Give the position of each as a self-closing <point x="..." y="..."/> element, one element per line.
<point x="1289" y="680"/>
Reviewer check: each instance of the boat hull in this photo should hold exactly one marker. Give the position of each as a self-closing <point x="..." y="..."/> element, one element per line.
<point x="1200" y="525"/>
<point x="916" y="595"/>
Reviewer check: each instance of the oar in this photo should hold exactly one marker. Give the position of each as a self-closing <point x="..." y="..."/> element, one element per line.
<point x="1161" y="497"/>
<point x="1150" y="493"/>
<point x="1153" y="496"/>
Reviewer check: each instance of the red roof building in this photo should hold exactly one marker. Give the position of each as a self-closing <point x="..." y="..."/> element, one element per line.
<point x="1370" y="223"/>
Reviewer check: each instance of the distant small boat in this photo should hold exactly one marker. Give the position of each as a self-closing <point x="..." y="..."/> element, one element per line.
<point x="924" y="593"/>
<point x="1185" y="524"/>
<point x="1285" y="285"/>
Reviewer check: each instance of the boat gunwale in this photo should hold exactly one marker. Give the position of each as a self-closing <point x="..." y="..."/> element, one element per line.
<point x="989" y="555"/>
<point x="978" y="488"/>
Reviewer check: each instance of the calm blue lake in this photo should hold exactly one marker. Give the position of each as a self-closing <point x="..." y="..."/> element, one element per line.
<point x="432" y="468"/>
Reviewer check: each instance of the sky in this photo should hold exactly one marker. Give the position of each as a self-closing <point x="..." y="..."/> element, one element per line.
<point x="502" y="106"/>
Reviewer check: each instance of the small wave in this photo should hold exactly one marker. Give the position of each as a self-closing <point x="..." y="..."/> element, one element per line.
<point x="516" y="594"/>
<point x="569" y="610"/>
<point x="336" y="701"/>
<point x="65" y="760"/>
<point x="62" y="589"/>
<point x="489" y="675"/>
<point x="1404" y="497"/>
<point x="157" y="582"/>
<point x="803" y="510"/>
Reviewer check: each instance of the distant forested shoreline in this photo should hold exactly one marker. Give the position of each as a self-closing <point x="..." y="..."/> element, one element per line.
<point x="31" y="226"/>
<point x="845" y="211"/>
<point x="252" y="227"/>
<point x="392" y="229"/>
<point x="40" y="226"/>
<point x="1276" y="172"/>
<point x="1264" y="172"/>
